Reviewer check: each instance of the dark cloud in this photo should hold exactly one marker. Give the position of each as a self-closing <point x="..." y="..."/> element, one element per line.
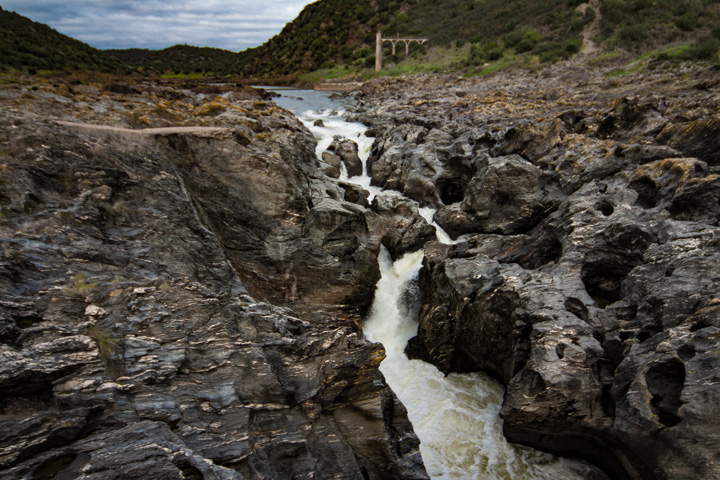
<point x="230" y="24"/>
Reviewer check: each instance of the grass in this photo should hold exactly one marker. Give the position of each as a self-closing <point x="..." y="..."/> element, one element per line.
<point x="641" y="62"/>
<point x="499" y="65"/>
<point x="327" y="74"/>
<point x="667" y="52"/>
<point x="603" y="58"/>
<point x="435" y="59"/>
<point x="193" y="75"/>
<point x="448" y="59"/>
<point x="80" y="285"/>
<point x="106" y="343"/>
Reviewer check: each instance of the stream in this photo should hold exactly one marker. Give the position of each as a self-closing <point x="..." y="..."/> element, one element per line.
<point x="456" y="416"/>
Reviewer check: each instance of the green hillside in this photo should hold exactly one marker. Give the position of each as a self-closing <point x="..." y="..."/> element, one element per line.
<point x="182" y="59"/>
<point x="340" y="35"/>
<point x="342" y="32"/>
<point x="33" y="46"/>
<point x="320" y="37"/>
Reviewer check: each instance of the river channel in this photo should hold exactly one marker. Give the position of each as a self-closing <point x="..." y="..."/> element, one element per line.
<point x="456" y="416"/>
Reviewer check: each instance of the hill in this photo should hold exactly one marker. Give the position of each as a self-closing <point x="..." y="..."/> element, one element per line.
<point x="182" y="59"/>
<point x="342" y="32"/>
<point x="33" y="46"/>
<point x="340" y="35"/>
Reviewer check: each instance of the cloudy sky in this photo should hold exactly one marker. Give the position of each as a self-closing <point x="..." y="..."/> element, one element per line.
<point x="229" y="24"/>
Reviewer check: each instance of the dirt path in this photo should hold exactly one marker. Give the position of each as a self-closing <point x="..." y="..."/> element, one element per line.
<point x="591" y="30"/>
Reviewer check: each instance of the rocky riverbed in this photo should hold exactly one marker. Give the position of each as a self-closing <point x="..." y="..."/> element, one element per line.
<point x="587" y="278"/>
<point x="186" y="302"/>
<point x="153" y="239"/>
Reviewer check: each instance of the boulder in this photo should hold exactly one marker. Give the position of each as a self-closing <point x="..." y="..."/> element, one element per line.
<point x="347" y="151"/>
<point x="405" y="230"/>
<point x="505" y="196"/>
<point x="698" y="138"/>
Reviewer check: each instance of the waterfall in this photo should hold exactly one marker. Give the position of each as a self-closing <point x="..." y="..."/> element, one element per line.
<point x="456" y="417"/>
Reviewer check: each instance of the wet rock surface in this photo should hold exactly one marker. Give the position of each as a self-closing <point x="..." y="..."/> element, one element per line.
<point x="587" y="279"/>
<point x="184" y="303"/>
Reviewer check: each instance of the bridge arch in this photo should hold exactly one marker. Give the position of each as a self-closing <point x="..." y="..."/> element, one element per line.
<point x="379" y="40"/>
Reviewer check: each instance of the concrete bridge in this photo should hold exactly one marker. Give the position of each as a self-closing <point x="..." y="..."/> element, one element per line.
<point x="379" y="42"/>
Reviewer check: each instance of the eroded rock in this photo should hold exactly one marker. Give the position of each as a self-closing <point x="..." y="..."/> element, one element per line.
<point x="584" y="281"/>
<point x="131" y="346"/>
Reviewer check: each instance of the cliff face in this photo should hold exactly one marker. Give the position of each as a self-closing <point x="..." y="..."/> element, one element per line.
<point x="587" y="279"/>
<point x="136" y="340"/>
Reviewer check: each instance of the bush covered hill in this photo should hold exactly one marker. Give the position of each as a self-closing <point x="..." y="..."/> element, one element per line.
<point x="182" y="59"/>
<point x="334" y="32"/>
<point x="340" y="35"/>
<point x="33" y="46"/>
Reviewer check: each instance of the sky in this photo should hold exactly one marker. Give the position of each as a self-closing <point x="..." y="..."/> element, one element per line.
<point x="230" y="24"/>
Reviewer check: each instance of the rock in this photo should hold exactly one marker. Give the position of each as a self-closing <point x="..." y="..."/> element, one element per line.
<point x="332" y="165"/>
<point x="505" y="196"/>
<point x="683" y="186"/>
<point x="698" y="138"/>
<point x="640" y="154"/>
<point x="131" y="346"/>
<point x="632" y="117"/>
<point x="355" y="194"/>
<point x="319" y="123"/>
<point x="405" y="229"/>
<point x="347" y="150"/>
<point x="585" y="282"/>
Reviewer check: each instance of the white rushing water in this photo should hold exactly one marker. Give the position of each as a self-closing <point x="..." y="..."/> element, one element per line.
<point x="456" y="417"/>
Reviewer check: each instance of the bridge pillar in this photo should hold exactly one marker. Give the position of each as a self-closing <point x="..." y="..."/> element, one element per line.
<point x="378" y="52"/>
<point x="379" y="42"/>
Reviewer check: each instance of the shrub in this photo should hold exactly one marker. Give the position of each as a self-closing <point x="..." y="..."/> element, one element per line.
<point x="686" y="21"/>
<point x="105" y="342"/>
<point x="513" y="38"/>
<point x="634" y="33"/>
<point x="80" y="285"/>
<point x="475" y="56"/>
<point x="495" y="54"/>
<point x="529" y="39"/>
<point x="589" y="15"/>
<point x="706" y="49"/>
<point x="572" y="46"/>
<point x="612" y="12"/>
<point x="550" y="56"/>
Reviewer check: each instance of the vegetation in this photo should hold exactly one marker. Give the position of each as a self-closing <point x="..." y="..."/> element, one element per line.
<point x="31" y="46"/>
<point x="335" y="38"/>
<point x="540" y="30"/>
<point x="80" y="285"/>
<point x="639" y="24"/>
<point x="106" y="343"/>
<point x="320" y="38"/>
<point x="182" y="61"/>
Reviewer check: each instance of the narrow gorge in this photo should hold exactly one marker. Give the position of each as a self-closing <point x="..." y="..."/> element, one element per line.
<point x="187" y="279"/>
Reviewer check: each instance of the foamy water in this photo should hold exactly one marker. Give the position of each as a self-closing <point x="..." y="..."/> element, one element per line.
<point x="456" y="417"/>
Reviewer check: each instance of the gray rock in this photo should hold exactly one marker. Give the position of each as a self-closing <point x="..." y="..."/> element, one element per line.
<point x="405" y="229"/>
<point x="347" y="151"/>
<point x="588" y="284"/>
<point x="505" y="196"/>
<point x="131" y="345"/>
